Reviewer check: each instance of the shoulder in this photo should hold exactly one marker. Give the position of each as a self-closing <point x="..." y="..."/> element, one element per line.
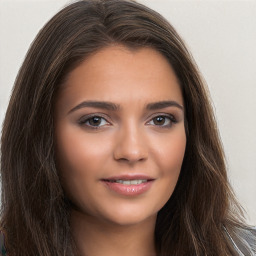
<point x="243" y="240"/>
<point x="2" y="245"/>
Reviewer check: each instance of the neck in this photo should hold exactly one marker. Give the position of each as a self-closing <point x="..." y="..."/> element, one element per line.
<point x="109" y="239"/>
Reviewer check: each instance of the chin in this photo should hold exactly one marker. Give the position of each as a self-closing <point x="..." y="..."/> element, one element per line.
<point x="130" y="220"/>
<point x="130" y="217"/>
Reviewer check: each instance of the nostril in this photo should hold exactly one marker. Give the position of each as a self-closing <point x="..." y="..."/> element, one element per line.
<point x="123" y="159"/>
<point x="130" y="159"/>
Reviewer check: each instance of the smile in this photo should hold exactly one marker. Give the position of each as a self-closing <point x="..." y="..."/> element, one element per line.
<point x="128" y="186"/>
<point x="129" y="182"/>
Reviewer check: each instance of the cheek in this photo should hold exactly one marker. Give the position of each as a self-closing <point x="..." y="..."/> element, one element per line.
<point x="169" y="159"/>
<point x="170" y="152"/>
<point x="81" y="161"/>
<point x="77" y="150"/>
<point x="80" y="157"/>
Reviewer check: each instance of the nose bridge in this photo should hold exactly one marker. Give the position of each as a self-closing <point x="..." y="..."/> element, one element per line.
<point x="131" y="143"/>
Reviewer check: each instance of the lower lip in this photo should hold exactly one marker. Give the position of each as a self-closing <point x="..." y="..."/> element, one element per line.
<point x="129" y="190"/>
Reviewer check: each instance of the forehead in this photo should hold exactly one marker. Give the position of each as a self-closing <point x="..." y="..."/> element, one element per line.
<point x="117" y="73"/>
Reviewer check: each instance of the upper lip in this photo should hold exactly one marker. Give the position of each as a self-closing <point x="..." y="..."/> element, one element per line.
<point x="129" y="177"/>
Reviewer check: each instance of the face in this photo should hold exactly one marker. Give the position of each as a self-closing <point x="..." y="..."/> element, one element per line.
<point x="120" y="136"/>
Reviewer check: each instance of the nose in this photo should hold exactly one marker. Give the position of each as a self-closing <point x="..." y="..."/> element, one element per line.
<point x="131" y="145"/>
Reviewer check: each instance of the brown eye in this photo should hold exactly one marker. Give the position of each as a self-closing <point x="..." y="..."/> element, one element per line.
<point x="159" y="120"/>
<point x="93" y="122"/>
<point x="163" y="121"/>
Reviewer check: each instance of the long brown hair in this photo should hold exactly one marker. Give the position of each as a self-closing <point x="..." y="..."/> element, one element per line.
<point x="34" y="211"/>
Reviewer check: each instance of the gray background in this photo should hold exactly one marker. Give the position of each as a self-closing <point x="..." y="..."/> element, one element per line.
<point x="222" y="37"/>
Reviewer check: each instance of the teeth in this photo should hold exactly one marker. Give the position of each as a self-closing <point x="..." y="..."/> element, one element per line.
<point x="131" y="182"/>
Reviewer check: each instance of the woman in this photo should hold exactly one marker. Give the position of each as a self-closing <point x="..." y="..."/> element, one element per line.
<point x="109" y="144"/>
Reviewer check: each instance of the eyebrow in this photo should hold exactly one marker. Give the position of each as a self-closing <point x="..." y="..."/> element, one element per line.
<point x="96" y="104"/>
<point x="114" y="107"/>
<point x="163" y="104"/>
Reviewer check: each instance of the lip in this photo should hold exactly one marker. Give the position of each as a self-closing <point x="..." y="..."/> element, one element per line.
<point x="129" y="190"/>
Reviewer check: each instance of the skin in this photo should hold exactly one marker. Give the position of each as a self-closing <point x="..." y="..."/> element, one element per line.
<point x="127" y="140"/>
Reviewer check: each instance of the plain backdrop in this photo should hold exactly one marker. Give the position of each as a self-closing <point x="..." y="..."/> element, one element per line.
<point x="222" y="38"/>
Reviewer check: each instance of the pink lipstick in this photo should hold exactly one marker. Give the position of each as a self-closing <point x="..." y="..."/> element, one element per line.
<point x="129" y="185"/>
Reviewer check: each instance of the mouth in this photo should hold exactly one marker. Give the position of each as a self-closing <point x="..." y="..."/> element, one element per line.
<point x="128" y="182"/>
<point x="128" y="186"/>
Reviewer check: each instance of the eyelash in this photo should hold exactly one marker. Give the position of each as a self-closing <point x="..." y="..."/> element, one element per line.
<point x="84" y="121"/>
<point x="172" y="120"/>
